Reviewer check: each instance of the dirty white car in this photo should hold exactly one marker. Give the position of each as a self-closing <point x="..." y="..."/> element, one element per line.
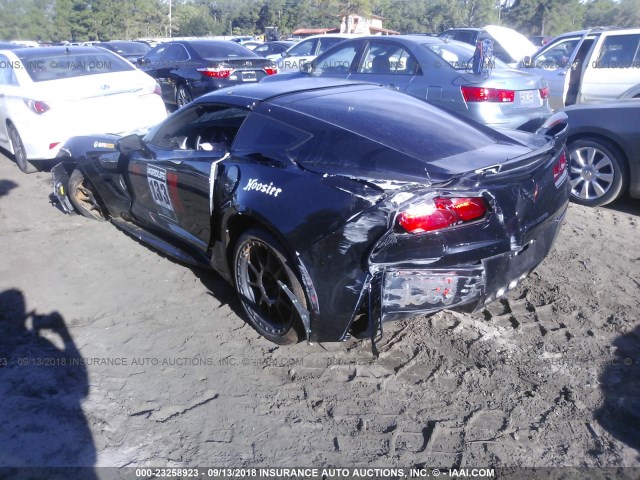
<point x="48" y="95"/>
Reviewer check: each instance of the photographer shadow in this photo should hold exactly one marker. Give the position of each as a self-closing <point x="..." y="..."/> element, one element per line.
<point x="620" y="384"/>
<point x="42" y="384"/>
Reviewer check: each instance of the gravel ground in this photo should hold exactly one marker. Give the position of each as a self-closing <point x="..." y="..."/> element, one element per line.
<point x="161" y="369"/>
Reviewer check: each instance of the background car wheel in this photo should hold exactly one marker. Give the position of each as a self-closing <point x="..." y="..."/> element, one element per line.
<point x="19" y="153"/>
<point x="183" y="96"/>
<point x="82" y="196"/>
<point x="597" y="171"/>
<point x="259" y="262"/>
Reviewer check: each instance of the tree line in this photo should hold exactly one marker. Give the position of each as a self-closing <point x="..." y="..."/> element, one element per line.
<point x="82" y="20"/>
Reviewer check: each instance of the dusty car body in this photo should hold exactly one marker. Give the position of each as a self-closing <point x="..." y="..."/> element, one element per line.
<point x="333" y="205"/>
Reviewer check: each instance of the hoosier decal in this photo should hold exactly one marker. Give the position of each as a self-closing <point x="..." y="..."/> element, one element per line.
<point x="269" y="189"/>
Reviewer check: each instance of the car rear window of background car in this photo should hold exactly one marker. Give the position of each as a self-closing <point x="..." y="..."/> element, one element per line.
<point x="45" y="67"/>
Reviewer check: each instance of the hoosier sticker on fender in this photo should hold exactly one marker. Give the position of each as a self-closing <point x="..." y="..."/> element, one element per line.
<point x="267" y="188"/>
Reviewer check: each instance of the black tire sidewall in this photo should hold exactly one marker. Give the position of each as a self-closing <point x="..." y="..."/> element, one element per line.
<point x="24" y="165"/>
<point x="295" y="333"/>
<point x="619" y="169"/>
<point x="188" y="94"/>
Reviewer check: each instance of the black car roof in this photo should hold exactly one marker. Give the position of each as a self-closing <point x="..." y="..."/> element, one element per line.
<point x="264" y="91"/>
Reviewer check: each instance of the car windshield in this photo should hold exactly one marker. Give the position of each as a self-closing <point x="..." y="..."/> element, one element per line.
<point x="222" y="50"/>
<point x="458" y="55"/>
<point x="42" y="66"/>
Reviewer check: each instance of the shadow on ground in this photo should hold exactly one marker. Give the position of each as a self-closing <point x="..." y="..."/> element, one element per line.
<point x="43" y="381"/>
<point x="620" y="383"/>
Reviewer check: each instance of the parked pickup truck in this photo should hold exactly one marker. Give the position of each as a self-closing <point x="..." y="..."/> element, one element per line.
<point x="589" y="66"/>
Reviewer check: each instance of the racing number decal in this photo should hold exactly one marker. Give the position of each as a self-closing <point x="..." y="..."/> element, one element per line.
<point x="157" y="178"/>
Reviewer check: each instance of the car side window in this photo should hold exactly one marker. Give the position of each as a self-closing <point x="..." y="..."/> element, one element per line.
<point x="339" y="61"/>
<point x="209" y="127"/>
<point x="556" y="55"/>
<point x="266" y="135"/>
<point x="467" y="37"/>
<point x="619" y="51"/>
<point x="304" y="48"/>
<point x="327" y="43"/>
<point x="7" y="74"/>
<point x="176" y="53"/>
<point x="388" y="58"/>
<point x="262" y="49"/>
<point x="156" y="54"/>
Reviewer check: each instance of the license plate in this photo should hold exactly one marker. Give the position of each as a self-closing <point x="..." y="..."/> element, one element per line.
<point x="526" y="98"/>
<point x="249" y="76"/>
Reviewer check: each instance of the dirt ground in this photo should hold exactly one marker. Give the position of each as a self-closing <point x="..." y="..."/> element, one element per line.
<point x="113" y="355"/>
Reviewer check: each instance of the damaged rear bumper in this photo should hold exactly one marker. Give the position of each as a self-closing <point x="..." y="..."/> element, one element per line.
<point x="416" y="289"/>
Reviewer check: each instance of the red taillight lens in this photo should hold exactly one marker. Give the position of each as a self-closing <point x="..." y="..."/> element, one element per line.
<point x="37" y="106"/>
<point x="53" y="145"/>
<point x="544" y="93"/>
<point x="271" y="70"/>
<point x="560" y="168"/>
<point x="216" y="72"/>
<point x="442" y="213"/>
<point x="480" y="94"/>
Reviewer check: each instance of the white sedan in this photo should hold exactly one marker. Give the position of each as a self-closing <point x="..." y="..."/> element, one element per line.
<point x="48" y="95"/>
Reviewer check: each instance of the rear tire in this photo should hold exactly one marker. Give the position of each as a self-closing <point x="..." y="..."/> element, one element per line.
<point x="183" y="96"/>
<point x="259" y="261"/>
<point x="82" y="196"/>
<point x="597" y="172"/>
<point x="19" y="153"/>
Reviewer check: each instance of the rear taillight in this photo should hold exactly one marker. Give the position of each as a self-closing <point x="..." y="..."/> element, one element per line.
<point x="544" y="93"/>
<point x="560" y="168"/>
<point x="37" y="106"/>
<point x="215" y="72"/>
<point x="53" y="145"/>
<point x="480" y="94"/>
<point x="271" y="70"/>
<point x="442" y="213"/>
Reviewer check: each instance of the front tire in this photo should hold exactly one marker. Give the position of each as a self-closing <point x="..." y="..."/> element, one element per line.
<point x="597" y="172"/>
<point x="19" y="152"/>
<point x="259" y="261"/>
<point x="82" y="196"/>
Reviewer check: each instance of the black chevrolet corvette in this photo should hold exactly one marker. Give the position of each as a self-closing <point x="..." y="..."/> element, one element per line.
<point x="330" y="206"/>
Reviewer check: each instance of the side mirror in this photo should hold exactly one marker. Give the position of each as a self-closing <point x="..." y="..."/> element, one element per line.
<point x="130" y="144"/>
<point x="306" y="67"/>
<point x="526" y="61"/>
<point x="284" y="54"/>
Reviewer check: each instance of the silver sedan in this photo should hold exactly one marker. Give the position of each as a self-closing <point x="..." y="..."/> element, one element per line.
<point x="439" y="71"/>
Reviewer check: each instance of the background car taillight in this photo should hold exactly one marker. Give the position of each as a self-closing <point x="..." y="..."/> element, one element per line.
<point x="271" y="70"/>
<point x="216" y="72"/>
<point x="481" y="94"/>
<point x="37" y="106"/>
<point x="544" y="92"/>
<point x="560" y="168"/>
<point x="442" y="213"/>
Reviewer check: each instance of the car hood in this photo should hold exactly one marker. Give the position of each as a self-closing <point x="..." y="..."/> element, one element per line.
<point x="516" y="44"/>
